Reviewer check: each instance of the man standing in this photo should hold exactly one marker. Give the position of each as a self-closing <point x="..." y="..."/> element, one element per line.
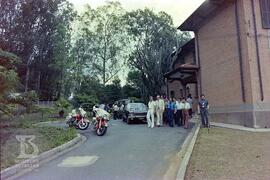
<point x="179" y="116"/>
<point x="151" y="113"/>
<point x="115" y="111"/>
<point x="203" y="108"/>
<point x="190" y="101"/>
<point x="160" y="110"/>
<point x="186" y="107"/>
<point x="171" y="111"/>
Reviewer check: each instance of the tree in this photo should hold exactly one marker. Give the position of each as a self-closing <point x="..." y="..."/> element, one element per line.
<point x="113" y="91"/>
<point x="155" y="38"/>
<point x="133" y="85"/>
<point x="29" y="29"/>
<point x="103" y="30"/>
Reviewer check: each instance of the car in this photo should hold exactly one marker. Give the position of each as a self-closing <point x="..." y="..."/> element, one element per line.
<point x="134" y="111"/>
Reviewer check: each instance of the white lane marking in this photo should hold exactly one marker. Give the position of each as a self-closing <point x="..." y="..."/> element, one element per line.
<point x="78" y="161"/>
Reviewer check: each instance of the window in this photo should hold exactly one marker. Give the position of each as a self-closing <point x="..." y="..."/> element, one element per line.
<point x="265" y="10"/>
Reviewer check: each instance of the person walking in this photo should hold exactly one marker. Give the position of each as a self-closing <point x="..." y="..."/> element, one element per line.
<point x="190" y="101"/>
<point x="151" y="113"/>
<point x="160" y="110"/>
<point x="186" y="107"/>
<point x="203" y="108"/>
<point x="171" y="111"/>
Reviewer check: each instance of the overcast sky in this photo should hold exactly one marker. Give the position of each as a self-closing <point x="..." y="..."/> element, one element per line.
<point x="178" y="9"/>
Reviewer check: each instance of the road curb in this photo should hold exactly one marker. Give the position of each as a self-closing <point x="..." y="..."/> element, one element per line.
<point x="48" y="122"/>
<point x="186" y="151"/>
<point x="28" y="165"/>
<point x="238" y="127"/>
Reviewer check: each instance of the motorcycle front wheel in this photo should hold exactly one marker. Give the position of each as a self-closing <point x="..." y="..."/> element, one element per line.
<point x="101" y="131"/>
<point x="82" y="125"/>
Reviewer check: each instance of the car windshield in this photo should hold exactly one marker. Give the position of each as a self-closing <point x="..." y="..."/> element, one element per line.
<point x="137" y="107"/>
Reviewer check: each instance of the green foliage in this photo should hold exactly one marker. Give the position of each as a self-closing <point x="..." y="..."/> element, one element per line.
<point x="62" y="104"/>
<point x="129" y="91"/>
<point x="39" y="33"/>
<point x="101" y="43"/>
<point x="154" y="40"/>
<point x="113" y="91"/>
<point x="87" y="100"/>
<point x="8" y="74"/>
<point x="45" y="110"/>
<point x="57" y="136"/>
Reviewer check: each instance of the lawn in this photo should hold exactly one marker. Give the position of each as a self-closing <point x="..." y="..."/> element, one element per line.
<point x="46" y="138"/>
<point x="230" y="154"/>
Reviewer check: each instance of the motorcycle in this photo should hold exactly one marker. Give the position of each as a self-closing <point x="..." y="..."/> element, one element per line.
<point x="100" y="121"/>
<point x="78" y="120"/>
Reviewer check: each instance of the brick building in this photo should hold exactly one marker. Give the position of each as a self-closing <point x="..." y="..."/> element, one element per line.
<point x="228" y="61"/>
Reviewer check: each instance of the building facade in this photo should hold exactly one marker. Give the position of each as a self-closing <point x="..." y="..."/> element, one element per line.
<point x="232" y="56"/>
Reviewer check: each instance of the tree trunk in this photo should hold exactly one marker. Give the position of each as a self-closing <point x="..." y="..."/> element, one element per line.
<point x="27" y="78"/>
<point x="38" y="82"/>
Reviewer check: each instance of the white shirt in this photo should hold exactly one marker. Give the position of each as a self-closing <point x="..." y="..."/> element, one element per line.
<point x="190" y="101"/>
<point x="160" y="104"/>
<point x="151" y="105"/>
<point x="179" y="105"/>
<point x="186" y="106"/>
<point x="115" y="108"/>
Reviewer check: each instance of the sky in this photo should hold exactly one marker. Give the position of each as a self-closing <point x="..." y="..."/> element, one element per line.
<point x="178" y="9"/>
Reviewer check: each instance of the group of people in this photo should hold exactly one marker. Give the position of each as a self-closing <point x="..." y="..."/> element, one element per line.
<point x="174" y="111"/>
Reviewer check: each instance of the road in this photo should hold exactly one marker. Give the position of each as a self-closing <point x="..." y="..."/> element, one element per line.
<point x="126" y="152"/>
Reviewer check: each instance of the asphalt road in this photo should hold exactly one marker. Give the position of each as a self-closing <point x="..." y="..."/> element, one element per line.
<point x="126" y="152"/>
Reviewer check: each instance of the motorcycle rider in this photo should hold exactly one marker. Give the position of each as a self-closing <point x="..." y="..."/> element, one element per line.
<point x="71" y="116"/>
<point x="101" y="113"/>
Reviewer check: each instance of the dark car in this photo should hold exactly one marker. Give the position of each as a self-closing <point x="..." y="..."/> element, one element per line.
<point x="134" y="111"/>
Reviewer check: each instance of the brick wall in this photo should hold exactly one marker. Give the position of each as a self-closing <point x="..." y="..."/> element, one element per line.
<point x="219" y="59"/>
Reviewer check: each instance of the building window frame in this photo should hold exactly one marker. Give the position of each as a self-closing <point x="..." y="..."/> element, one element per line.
<point x="265" y="13"/>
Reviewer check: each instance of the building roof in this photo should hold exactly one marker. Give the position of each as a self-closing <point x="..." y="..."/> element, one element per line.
<point x="186" y="73"/>
<point x="186" y="48"/>
<point x="194" y="21"/>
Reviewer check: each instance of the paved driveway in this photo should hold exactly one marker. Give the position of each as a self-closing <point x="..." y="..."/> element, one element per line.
<point x="125" y="152"/>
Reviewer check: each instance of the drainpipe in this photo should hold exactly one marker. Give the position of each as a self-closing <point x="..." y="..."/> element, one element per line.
<point x="199" y="61"/>
<point x="240" y="53"/>
<point x="257" y="50"/>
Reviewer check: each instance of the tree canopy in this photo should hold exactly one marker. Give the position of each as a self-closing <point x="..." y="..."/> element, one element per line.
<point x="64" y="52"/>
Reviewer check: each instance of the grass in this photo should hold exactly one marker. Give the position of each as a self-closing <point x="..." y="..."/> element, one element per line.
<point x="230" y="154"/>
<point x="46" y="138"/>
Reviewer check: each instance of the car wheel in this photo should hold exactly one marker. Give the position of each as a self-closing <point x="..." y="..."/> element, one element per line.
<point x="128" y="121"/>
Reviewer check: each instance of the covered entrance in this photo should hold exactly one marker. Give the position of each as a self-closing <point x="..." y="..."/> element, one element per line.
<point x="186" y="74"/>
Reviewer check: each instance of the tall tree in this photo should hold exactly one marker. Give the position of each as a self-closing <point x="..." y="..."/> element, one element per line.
<point x="154" y="39"/>
<point x="103" y="29"/>
<point x="28" y="28"/>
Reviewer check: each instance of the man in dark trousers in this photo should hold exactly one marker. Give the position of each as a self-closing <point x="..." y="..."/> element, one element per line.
<point x="203" y="108"/>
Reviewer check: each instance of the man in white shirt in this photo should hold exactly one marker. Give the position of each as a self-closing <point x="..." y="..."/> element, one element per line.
<point x="179" y="108"/>
<point x="151" y="113"/>
<point x="115" y="110"/>
<point x="186" y="108"/>
<point x="160" y="110"/>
